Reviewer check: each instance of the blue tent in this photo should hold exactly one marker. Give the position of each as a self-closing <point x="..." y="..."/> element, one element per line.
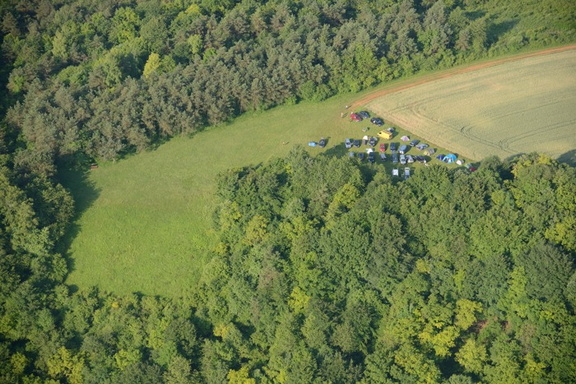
<point x="312" y="144"/>
<point x="450" y="158"/>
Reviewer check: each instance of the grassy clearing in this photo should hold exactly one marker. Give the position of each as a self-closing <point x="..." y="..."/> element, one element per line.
<point x="519" y="107"/>
<point x="146" y="220"/>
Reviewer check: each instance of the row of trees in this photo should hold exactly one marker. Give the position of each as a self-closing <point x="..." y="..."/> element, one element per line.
<point x="102" y="79"/>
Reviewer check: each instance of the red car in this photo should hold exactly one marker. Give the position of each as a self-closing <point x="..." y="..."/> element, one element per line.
<point x="355" y="117"/>
<point x="382" y="147"/>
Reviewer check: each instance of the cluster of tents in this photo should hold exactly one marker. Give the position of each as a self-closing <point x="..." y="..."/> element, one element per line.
<point x="449" y="158"/>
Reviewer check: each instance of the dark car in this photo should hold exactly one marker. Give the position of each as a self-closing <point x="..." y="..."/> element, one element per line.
<point x="393" y="146"/>
<point x="414" y="142"/>
<point x="420" y="159"/>
<point x="348" y="143"/>
<point x="361" y="155"/>
<point x="403" y="149"/>
<point x="422" y="146"/>
<point x="357" y="143"/>
<point x="364" y="114"/>
<point x="371" y="157"/>
<point x="383" y="156"/>
<point x="322" y="143"/>
<point x="377" y="121"/>
<point x="372" y="141"/>
<point x="395" y="158"/>
<point x="355" y="117"/>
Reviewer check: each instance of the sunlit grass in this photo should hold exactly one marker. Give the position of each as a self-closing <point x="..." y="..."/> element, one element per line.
<point x="150" y="226"/>
<point x="146" y="221"/>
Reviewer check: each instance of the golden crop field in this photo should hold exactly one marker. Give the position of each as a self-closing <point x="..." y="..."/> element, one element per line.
<point x="515" y="107"/>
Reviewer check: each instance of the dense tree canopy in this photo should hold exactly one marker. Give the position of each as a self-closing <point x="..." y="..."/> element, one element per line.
<point x="449" y="276"/>
<point x="80" y="69"/>
<point x="325" y="271"/>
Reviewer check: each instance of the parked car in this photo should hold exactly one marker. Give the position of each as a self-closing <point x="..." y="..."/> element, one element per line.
<point x="322" y="143"/>
<point x="365" y="139"/>
<point x="422" y="146"/>
<point x="372" y="141"/>
<point x="377" y="121"/>
<point x="420" y="159"/>
<point x="393" y="146"/>
<point x="361" y="155"/>
<point x="403" y="149"/>
<point x="364" y="114"/>
<point x="385" y="134"/>
<point x="348" y="143"/>
<point x="357" y="143"/>
<point x="371" y="157"/>
<point x="409" y="159"/>
<point x="383" y="147"/>
<point x="395" y="158"/>
<point x="402" y="159"/>
<point x="470" y="167"/>
<point x="406" y="173"/>
<point x="383" y="156"/>
<point x="414" y="142"/>
<point x="351" y="154"/>
<point x="355" y="117"/>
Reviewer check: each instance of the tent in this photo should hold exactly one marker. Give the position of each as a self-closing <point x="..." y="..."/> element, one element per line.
<point x="405" y="138"/>
<point x="450" y="158"/>
<point x="440" y="157"/>
<point x="312" y="144"/>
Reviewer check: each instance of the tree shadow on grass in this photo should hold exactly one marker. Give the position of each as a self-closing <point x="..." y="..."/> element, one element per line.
<point x="77" y="181"/>
<point x="568" y="158"/>
<point x="337" y="150"/>
<point x="496" y="30"/>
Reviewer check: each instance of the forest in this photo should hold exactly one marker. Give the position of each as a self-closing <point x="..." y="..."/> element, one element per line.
<point x="325" y="271"/>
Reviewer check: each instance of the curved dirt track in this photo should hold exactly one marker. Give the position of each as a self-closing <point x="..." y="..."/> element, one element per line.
<point x="376" y="94"/>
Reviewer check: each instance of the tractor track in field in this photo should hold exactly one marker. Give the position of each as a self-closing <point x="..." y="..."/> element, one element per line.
<point x="457" y="71"/>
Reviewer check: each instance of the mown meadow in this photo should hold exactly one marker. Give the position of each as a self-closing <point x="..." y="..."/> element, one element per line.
<point x="148" y="222"/>
<point x="148" y="219"/>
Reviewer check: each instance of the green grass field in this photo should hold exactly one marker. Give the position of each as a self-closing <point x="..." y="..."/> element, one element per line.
<point x="146" y="221"/>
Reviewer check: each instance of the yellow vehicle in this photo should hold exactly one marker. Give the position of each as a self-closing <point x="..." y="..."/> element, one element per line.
<point x="385" y="134"/>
